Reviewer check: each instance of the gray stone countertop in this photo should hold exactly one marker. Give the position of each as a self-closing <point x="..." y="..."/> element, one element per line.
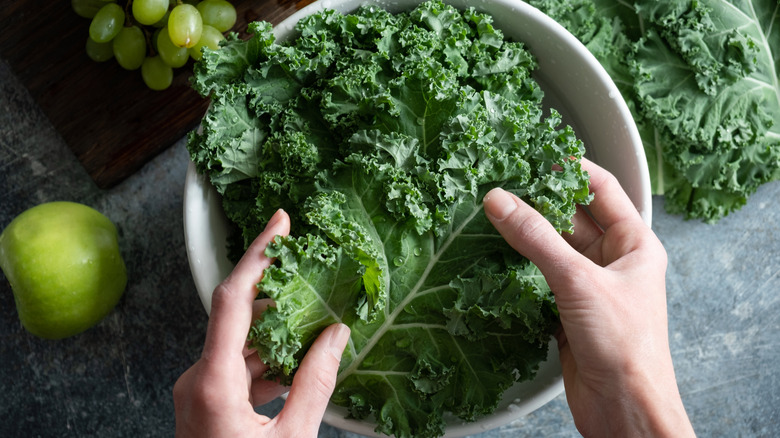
<point x="116" y="378"/>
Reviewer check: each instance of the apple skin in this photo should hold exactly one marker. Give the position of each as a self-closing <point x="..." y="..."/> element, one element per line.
<point x="63" y="262"/>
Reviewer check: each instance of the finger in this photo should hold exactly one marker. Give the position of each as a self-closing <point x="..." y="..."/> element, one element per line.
<point x="259" y="306"/>
<point x="610" y="203"/>
<point x="263" y="391"/>
<point x="530" y="234"/>
<point x="255" y="366"/>
<point x="245" y="274"/>
<point x="231" y="305"/>
<point x="586" y="232"/>
<point x="314" y="382"/>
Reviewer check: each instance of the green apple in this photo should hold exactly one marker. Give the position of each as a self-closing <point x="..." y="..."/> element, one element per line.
<point x="63" y="262"/>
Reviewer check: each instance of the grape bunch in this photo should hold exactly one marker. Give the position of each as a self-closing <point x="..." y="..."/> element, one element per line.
<point x="155" y="36"/>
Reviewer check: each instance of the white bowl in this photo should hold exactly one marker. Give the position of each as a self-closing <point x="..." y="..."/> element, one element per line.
<point x="574" y="83"/>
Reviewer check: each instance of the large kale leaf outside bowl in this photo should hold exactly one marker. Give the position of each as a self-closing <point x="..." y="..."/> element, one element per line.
<point x="379" y="134"/>
<point x="702" y="79"/>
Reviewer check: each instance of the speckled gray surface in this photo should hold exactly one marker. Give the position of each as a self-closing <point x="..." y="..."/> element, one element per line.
<point x="116" y="378"/>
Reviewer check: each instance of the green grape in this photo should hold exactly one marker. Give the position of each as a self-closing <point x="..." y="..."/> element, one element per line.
<point x="185" y="25"/>
<point x="219" y="14"/>
<point x="172" y="54"/>
<point x="209" y="38"/>
<point x="88" y="8"/>
<point x="99" y="52"/>
<point x="107" y="23"/>
<point x="156" y="74"/>
<point x="149" y="12"/>
<point x="130" y="47"/>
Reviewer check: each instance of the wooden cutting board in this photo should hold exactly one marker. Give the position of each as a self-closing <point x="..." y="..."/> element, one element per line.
<point x="105" y="114"/>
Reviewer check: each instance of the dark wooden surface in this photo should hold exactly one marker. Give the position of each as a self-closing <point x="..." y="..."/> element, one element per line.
<point x="109" y="119"/>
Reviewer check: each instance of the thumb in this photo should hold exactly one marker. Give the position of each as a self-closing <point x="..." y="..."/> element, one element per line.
<point x="314" y="382"/>
<point x="530" y="234"/>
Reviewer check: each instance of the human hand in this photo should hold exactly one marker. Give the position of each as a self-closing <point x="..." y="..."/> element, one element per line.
<point x="608" y="278"/>
<point x="217" y="395"/>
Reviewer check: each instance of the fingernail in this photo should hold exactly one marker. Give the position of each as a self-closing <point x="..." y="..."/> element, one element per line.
<point x="274" y="219"/>
<point x="499" y="204"/>
<point x="341" y="335"/>
<point x="338" y="339"/>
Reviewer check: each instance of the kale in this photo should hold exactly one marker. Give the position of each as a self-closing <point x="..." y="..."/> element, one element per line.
<point x="701" y="80"/>
<point x="379" y="134"/>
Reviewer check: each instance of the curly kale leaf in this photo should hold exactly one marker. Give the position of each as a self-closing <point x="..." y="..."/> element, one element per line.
<point x="702" y="82"/>
<point x="380" y="133"/>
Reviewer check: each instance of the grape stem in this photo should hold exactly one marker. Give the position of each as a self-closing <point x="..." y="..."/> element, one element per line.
<point x="149" y="44"/>
<point x="128" y="13"/>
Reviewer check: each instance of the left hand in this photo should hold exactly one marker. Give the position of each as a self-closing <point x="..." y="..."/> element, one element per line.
<point x="217" y="395"/>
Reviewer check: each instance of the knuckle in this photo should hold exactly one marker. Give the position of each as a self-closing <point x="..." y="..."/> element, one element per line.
<point x="600" y="180"/>
<point x="528" y="227"/>
<point x="179" y="391"/>
<point x="577" y="275"/>
<point x="655" y="250"/>
<point x="223" y="293"/>
<point x="323" y="379"/>
<point x="323" y="385"/>
<point x="193" y="393"/>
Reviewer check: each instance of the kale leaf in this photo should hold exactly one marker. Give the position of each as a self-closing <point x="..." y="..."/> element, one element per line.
<point x="701" y="80"/>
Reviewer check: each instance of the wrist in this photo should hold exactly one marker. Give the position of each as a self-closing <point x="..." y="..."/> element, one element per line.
<point x="649" y="406"/>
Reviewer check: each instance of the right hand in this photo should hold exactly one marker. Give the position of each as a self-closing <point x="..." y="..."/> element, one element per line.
<point x="608" y="278"/>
